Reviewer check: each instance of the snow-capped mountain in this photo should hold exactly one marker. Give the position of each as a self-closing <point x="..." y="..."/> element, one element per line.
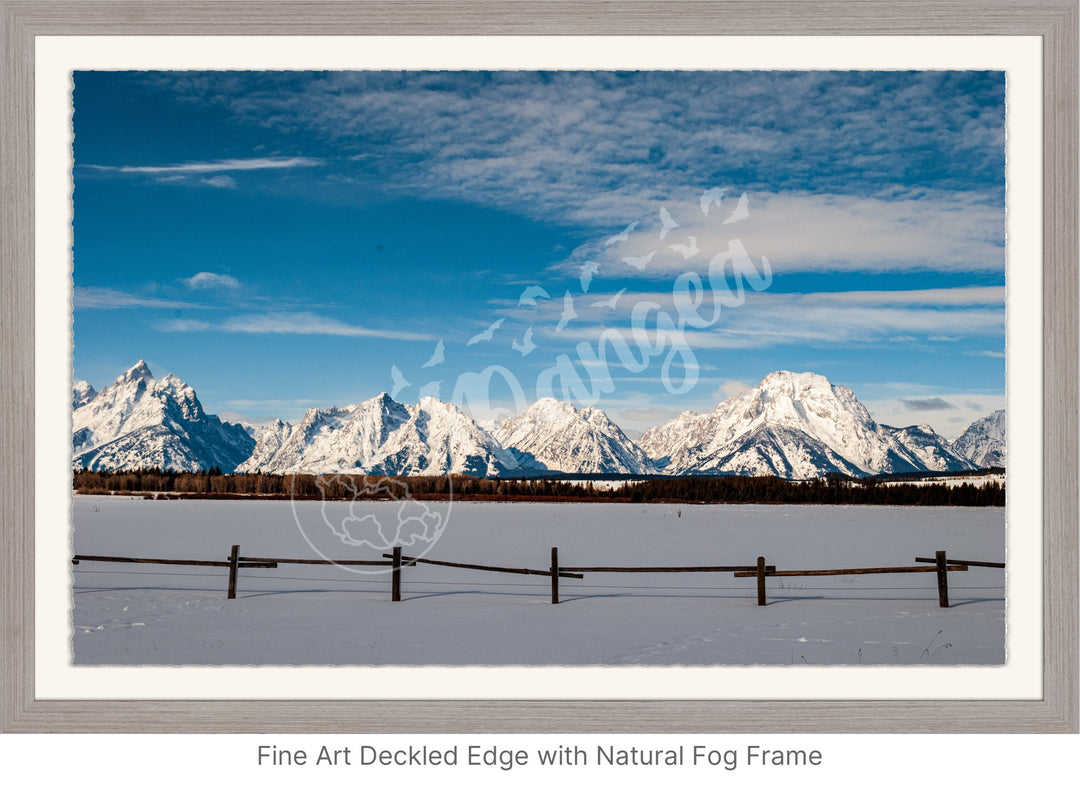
<point x="555" y="436"/>
<point x="437" y="439"/>
<point x="81" y="393"/>
<point x="983" y="443"/>
<point x="381" y="436"/>
<point x="796" y="426"/>
<point x="140" y="422"/>
<point x="268" y="442"/>
<point x="931" y="449"/>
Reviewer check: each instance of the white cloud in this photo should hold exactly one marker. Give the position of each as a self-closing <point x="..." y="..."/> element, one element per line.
<point x="110" y="298"/>
<point x="220" y="182"/>
<point x="730" y="388"/>
<point x="817" y="232"/>
<point x="767" y="319"/>
<point x="939" y="297"/>
<point x="221" y="165"/>
<point x="204" y="280"/>
<point x="301" y="323"/>
<point x="603" y="147"/>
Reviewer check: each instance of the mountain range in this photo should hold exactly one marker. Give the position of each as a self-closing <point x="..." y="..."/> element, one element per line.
<point x="792" y="425"/>
<point x="381" y="436"/>
<point x="140" y="422"/>
<point x="796" y="426"/>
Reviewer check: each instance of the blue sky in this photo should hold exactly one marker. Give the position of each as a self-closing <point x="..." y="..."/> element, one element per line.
<point x="648" y="242"/>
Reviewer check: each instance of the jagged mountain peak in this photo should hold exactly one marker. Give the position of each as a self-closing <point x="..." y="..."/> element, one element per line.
<point x="792" y="424"/>
<point x="382" y="436"/>
<point x="557" y="436"/>
<point x="140" y="422"/>
<point x="984" y="441"/>
<point x="794" y="382"/>
<point x="141" y="371"/>
<point x="81" y="393"/>
<point x="801" y="386"/>
<point x="797" y="425"/>
<point x="382" y="398"/>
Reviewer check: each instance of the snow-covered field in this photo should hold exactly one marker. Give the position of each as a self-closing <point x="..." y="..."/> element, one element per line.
<point x="169" y="615"/>
<point x="954" y="481"/>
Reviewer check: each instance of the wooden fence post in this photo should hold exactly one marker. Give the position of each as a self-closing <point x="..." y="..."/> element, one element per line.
<point x="234" y="559"/>
<point x="554" y="575"/>
<point x="942" y="579"/>
<point x="761" y="581"/>
<point x="395" y="576"/>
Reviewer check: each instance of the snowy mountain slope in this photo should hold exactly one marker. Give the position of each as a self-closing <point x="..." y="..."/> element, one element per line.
<point x="795" y="425"/>
<point x="931" y="449"/>
<point x="556" y="436"/>
<point x="792" y="425"/>
<point x="328" y="440"/>
<point x="664" y="442"/>
<point x="138" y="421"/>
<point x="381" y="436"/>
<point x="774" y="450"/>
<point x="439" y="438"/>
<point x="984" y="441"/>
<point x="268" y="442"/>
<point x="81" y="393"/>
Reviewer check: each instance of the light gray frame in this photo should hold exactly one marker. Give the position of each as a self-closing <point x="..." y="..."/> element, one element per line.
<point x="1054" y="20"/>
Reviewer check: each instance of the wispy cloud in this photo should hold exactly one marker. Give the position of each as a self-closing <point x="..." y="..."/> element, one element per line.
<point x="300" y="323"/>
<point x="939" y="297"/>
<point x="205" y="280"/>
<point x="221" y="165"/>
<point x="599" y="148"/>
<point x="274" y="403"/>
<point x="813" y="232"/>
<point x="768" y="319"/>
<point x="731" y="388"/>
<point x="220" y="182"/>
<point x="111" y="298"/>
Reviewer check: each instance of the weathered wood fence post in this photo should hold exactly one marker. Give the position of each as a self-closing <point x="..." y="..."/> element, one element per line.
<point x="761" y="581"/>
<point x="942" y="578"/>
<point x="554" y="575"/>
<point x="395" y="576"/>
<point x="234" y="560"/>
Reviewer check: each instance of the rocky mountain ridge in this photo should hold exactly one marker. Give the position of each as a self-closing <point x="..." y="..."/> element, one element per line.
<point x="793" y="425"/>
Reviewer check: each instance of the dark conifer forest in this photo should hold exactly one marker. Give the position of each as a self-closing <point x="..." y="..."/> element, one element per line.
<point x="883" y="491"/>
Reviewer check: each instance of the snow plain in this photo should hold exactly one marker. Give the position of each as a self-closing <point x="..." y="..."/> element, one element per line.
<point x="126" y="614"/>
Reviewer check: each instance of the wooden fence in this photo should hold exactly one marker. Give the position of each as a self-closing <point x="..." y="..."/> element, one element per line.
<point x="397" y="562"/>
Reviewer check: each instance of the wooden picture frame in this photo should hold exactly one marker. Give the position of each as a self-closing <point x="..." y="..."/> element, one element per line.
<point x="1055" y="21"/>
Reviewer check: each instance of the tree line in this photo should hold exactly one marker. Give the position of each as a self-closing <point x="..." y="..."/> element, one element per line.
<point x="676" y="489"/>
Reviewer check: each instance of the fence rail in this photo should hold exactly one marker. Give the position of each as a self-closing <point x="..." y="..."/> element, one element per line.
<point x="957" y="562"/>
<point x="397" y="562"/>
<point x="563" y="572"/>
<point x="317" y="561"/>
<point x="652" y="569"/>
<point x="941" y="568"/>
<point x="245" y="563"/>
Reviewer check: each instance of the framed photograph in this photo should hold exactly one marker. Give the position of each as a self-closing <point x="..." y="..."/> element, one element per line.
<point x="487" y="367"/>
